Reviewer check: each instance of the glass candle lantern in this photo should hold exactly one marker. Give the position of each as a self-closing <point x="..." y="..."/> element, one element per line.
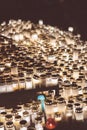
<point x="2" y="86"/>
<point x="69" y="111"/>
<point x="54" y="79"/>
<point x="14" y="69"/>
<point x="43" y="80"/>
<point x="55" y="106"/>
<point x="34" y="114"/>
<point x="38" y="123"/>
<point x="75" y="55"/>
<point x="21" y="83"/>
<point x="49" y="109"/>
<point x="23" y="125"/>
<point x="15" y="84"/>
<point x="28" y="83"/>
<point x="10" y="126"/>
<point x="75" y="73"/>
<point x="17" y="120"/>
<point x="2" y="116"/>
<point x="74" y="90"/>
<point x="79" y="114"/>
<point x="2" y="67"/>
<point x="2" y="126"/>
<point x="8" y="63"/>
<point x="58" y="117"/>
<point x="9" y="87"/>
<point x="36" y="81"/>
<point x="61" y="104"/>
<point x="51" y="58"/>
<point x="48" y="80"/>
<point x="67" y="91"/>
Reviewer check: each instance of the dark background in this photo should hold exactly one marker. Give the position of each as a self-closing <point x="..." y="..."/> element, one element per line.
<point x="60" y="13"/>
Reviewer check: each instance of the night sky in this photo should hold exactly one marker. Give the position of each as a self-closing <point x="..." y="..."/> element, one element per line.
<point x="60" y="13"/>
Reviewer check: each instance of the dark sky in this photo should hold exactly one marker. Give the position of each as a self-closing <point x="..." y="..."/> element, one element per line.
<point x="61" y="13"/>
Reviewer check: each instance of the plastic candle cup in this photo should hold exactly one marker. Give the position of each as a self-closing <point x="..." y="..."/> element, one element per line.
<point x="50" y="124"/>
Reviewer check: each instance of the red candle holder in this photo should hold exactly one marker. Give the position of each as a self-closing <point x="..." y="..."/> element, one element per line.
<point x="50" y="124"/>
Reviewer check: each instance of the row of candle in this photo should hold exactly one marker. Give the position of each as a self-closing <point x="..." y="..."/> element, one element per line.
<point x="47" y="51"/>
<point x="47" y="112"/>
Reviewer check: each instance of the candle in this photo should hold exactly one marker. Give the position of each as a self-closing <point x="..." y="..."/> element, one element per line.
<point x="17" y="120"/>
<point x="58" y="117"/>
<point x="28" y="83"/>
<point x="50" y="124"/>
<point x="23" y="125"/>
<point x="10" y="125"/>
<point x="36" y="81"/>
<point x="49" y="109"/>
<point x="38" y="123"/>
<point x="2" y="126"/>
<point x="79" y="114"/>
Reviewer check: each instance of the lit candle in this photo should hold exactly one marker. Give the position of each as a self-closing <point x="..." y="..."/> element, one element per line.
<point x="50" y="124"/>
<point x="58" y="116"/>
<point x="79" y="114"/>
<point x="2" y="126"/>
<point x="28" y="84"/>
<point x="23" y="125"/>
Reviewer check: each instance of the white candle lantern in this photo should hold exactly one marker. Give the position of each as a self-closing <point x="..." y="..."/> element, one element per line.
<point x="69" y="111"/>
<point x="21" y="83"/>
<point x="67" y="91"/>
<point x="15" y="84"/>
<point x="54" y="80"/>
<point x="2" y="126"/>
<point x="38" y="123"/>
<point x="28" y="83"/>
<point x="75" y="73"/>
<point x="36" y="81"/>
<point x="61" y="105"/>
<point x="75" y="55"/>
<point x="9" y="87"/>
<point x="2" y="87"/>
<point x="49" y="109"/>
<point x="2" y="116"/>
<point x="79" y="114"/>
<point x="23" y="125"/>
<point x="16" y="121"/>
<point x="58" y="117"/>
<point x="10" y="126"/>
<point x="48" y="80"/>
